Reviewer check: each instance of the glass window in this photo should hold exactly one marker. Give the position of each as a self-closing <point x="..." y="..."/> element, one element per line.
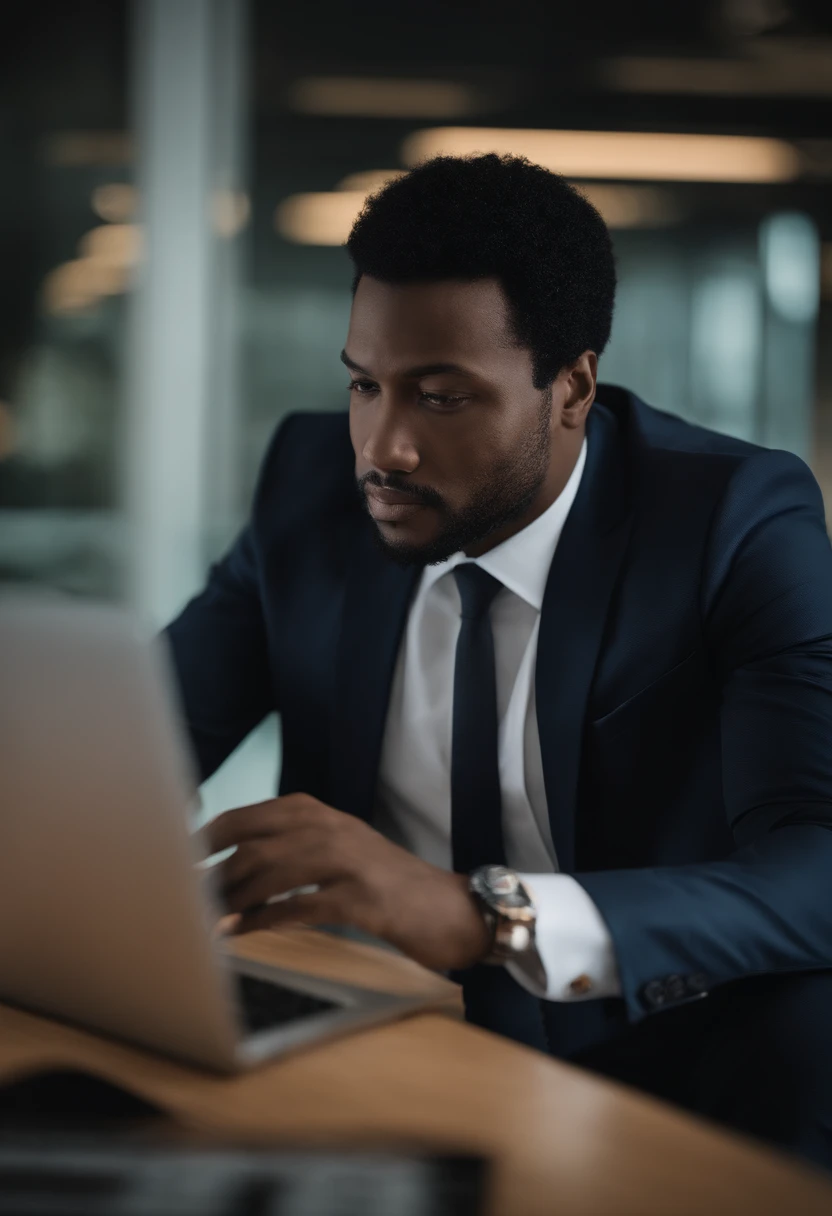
<point x="67" y="250"/>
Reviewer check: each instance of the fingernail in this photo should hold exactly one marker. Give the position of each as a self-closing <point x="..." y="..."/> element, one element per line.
<point x="226" y="924"/>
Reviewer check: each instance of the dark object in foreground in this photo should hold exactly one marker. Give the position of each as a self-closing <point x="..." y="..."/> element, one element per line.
<point x="42" y="1175"/>
<point x="67" y="1099"/>
<point x="72" y="1144"/>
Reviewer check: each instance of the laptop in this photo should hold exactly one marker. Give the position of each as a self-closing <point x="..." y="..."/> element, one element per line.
<point x="106" y="918"/>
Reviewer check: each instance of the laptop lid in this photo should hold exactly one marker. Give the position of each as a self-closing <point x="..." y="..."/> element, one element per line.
<point x="102" y="916"/>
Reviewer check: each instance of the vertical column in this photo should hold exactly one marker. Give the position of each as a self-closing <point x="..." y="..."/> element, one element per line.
<point x="181" y="340"/>
<point x="790" y="256"/>
<point x="726" y="336"/>
<point x="230" y="209"/>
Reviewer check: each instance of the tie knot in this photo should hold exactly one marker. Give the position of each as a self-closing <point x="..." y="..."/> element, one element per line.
<point x="477" y="589"/>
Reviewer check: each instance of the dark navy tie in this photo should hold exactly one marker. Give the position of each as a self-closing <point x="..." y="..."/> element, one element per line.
<point x="492" y="998"/>
<point x="476" y="815"/>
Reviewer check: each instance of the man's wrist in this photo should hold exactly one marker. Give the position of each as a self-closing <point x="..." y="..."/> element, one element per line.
<point x="477" y="936"/>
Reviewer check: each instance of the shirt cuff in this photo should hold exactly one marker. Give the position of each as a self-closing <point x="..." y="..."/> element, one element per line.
<point x="575" y="958"/>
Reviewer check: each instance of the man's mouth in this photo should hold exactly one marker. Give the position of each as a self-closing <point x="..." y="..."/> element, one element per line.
<point x="391" y="506"/>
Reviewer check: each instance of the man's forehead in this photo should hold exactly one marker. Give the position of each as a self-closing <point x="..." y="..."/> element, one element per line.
<point x="415" y="324"/>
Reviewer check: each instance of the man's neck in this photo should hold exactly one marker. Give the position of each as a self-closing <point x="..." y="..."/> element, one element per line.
<point x="561" y="468"/>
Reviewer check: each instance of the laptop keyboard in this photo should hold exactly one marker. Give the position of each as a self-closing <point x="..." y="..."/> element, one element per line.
<point x="265" y="1005"/>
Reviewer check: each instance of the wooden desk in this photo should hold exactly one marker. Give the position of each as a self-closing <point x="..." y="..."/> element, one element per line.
<point x="563" y="1142"/>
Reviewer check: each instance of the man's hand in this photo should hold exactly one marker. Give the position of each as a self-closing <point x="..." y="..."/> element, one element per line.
<point x="363" y="879"/>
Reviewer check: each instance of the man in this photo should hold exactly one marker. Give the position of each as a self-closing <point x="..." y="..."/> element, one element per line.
<point x="507" y="625"/>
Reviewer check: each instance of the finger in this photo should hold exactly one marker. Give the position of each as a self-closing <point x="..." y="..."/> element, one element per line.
<point x="321" y="908"/>
<point x="261" y="819"/>
<point x="274" y="881"/>
<point x="246" y="860"/>
<point x="255" y="855"/>
<point x="225" y="926"/>
<point x="242" y="823"/>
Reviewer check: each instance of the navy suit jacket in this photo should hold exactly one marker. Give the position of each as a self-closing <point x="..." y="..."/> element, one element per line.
<point x="683" y="683"/>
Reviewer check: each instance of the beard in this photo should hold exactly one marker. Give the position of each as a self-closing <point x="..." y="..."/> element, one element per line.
<point x="503" y="494"/>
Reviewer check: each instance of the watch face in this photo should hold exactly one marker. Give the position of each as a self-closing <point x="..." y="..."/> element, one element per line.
<point x="508" y="909"/>
<point x="501" y="887"/>
<point x="502" y="881"/>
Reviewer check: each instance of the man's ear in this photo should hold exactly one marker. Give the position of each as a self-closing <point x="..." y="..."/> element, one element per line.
<point x="580" y="379"/>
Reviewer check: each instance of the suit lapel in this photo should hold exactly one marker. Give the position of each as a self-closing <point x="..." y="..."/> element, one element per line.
<point x="376" y="603"/>
<point x="581" y="581"/>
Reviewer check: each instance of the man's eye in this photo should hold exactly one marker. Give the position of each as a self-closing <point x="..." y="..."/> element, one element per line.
<point x="361" y="386"/>
<point x="443" y="399"/>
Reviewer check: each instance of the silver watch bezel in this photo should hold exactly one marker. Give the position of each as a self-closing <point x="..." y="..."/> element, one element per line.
<point x="509" y="910"/>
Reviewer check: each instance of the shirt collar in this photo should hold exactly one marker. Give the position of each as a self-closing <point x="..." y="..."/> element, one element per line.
<point x="522" y="562"/>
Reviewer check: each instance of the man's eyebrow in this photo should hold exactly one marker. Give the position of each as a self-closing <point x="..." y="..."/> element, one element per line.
<point x="356" y="367"/>
<point x="414" y="373"/>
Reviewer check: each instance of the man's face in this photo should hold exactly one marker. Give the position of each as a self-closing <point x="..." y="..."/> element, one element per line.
<point x="452" y="440"/>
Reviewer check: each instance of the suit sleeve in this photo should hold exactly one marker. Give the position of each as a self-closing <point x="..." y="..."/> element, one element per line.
<point x="219" y="649"/>
<point x="678" y="931"/>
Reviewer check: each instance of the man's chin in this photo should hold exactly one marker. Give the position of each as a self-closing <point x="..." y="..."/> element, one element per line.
<point x="405" y="552"/>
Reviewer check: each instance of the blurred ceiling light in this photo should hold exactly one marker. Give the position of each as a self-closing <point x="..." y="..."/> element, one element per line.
<point x="326" y="218"/>
<point x="632" y="206"/>
<point x="619" y="154"/>
<point x="369" y="180"/>
<point x="75" y="286"/>
<point x="797" y="71"/>
<point x="374" y="97"/>
<point x="118" y="245"/>
<point x="115" y="202"/>
<point x="8" y="437"/>
<point x="231" y="212"/>
<point x="108" y="254"/>
<point x="72" y="149"/>
<point x="319" y="219"/>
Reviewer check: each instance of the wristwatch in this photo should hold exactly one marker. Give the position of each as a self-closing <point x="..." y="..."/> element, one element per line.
<point x="508" y="909"/>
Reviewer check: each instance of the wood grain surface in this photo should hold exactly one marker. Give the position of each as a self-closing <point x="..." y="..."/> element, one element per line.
<point x="563" y="1143"/>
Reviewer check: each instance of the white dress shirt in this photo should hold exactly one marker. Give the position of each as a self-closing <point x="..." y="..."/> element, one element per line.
<point x="414" y="790"/>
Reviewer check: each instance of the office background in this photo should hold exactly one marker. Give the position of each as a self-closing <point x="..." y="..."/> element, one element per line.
<point x="178" y="177"/>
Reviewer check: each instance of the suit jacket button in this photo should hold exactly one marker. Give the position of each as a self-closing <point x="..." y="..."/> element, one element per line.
<point x="655" y="993"/>
<point x="698" y="984"/>
<point x="676" y="987"/>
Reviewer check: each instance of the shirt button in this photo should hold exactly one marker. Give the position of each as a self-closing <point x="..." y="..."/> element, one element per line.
<point x="655" y="994"/>
<point x="698" y="984"/>
<point x="581" y="985"/>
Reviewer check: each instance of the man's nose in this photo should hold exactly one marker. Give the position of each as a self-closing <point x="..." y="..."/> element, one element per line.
<point x="389" y="445"/>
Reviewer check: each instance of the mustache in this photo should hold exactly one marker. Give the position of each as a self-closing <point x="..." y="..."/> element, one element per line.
<point x="401" y="485"/>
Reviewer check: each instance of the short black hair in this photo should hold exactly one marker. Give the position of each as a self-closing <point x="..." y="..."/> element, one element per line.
<point x="502" y="217"/>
